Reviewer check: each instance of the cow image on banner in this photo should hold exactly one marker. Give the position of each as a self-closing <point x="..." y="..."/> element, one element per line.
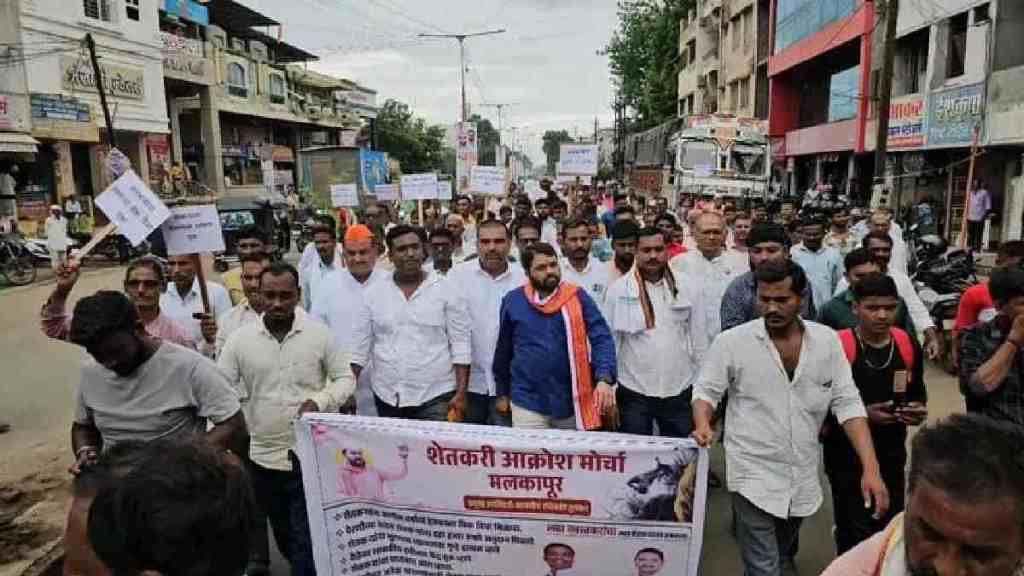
<point x="398" y="496"/>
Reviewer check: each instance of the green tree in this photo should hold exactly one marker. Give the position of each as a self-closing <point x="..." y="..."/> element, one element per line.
<point x="487" y="140"/>
<point x="417" y="146"/>
<point x="643" y="56"/>
<point x="553" y="140"/>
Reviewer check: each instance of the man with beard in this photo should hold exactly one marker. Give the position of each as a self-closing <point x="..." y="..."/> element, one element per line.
<point x="964" y="507"/>
<point x="143" y="388"/>
<point x="649" y="316"/>
<point x="542" y="363"/>
<point x="456" y="226"/>
<point x="839" y="234"/>
<point x="143" y="281"/>
<point x="329" y="260"/>
<point x="183" y="303"/>
<point x="625" y="235"/>
<point x="548" y="224"/>
<point x="767" y="243"/>
<point x="578" y="265"/>
<point x="283" y="366"/>
<point x="249" y="309"/>
<point x="415" y="327"/>
<point x="783" y="376"/>
<point x="888" y="369"/>
<point x="484" y="281"/>
<point x="442" y="245"/>
<point x="359" y="479"/>
<point x="340" y="297"/>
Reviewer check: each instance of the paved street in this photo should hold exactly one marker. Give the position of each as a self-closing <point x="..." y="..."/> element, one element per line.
<point x="39" y="382"/>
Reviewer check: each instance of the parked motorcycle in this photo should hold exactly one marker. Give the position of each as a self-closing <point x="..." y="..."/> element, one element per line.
<point x="941" y="276"/>
<point x="16" y="262"/>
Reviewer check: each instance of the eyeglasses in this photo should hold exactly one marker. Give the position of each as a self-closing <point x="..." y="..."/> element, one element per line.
<point x="142" y="284"/>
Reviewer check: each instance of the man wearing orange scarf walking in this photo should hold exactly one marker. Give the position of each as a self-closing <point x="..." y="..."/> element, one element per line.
<point x="554" y="366"/>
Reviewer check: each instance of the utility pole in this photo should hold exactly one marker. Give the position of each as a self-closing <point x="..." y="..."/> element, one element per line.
<point x="891" y="12"/>
<point x="91" y="45"/>
<point x="461" y="38"/>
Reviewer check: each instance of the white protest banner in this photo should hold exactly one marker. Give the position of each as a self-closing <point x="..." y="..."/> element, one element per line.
<point x="344" y="195"/>
<point x="567" y="179"/>
<point x="193" y="230"/>
<point x="488" y="180"/>
<point x="419" y="186"/>
<point x="534" y="191"/>
<point x="132" y="207"/>
<point x="386" y="192"/>
<point x="390" y="496"/>
<point x="578" y="159"/>
<point x="444" y="190"/>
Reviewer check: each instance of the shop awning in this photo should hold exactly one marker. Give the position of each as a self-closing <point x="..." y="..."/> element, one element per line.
<point x="17" y="143"/>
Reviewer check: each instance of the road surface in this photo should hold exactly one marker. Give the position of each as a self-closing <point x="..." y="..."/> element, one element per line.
<point x="40" y="376"/>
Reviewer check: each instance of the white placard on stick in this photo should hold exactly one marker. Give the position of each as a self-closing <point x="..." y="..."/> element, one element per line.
<point x="578" y="160"/>
<point x="344" y="195"/>
<point x="193" y="230"/>
<point x="534" y="191"/>
<point x="130" y="205"/>
<point x="487" y="180"/>
<point x="419" y="186"/>
<point x="444" y="190"/>
<point x="386" y="192"/>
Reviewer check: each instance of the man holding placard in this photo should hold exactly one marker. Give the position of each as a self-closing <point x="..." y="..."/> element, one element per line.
<point x="182" y="301"/>
<point x="251" y="307"/>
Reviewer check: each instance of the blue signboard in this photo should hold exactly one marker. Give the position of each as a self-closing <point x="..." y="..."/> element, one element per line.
<point x="374" y="168"/>
<point x="953" y="114"/>
<point x="58" y="107"/>
<point x="188" y="10"/>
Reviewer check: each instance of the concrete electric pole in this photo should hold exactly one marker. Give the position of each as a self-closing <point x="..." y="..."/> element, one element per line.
<point x="891" y="11"/>
<point x="461" y="38"/>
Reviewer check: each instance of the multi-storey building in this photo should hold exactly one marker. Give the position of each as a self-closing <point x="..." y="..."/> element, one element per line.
<point x="723" y="58"/>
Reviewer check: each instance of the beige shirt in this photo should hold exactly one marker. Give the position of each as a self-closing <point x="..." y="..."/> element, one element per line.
<point x="274" y="378"/>
<point x="230" y="321"/>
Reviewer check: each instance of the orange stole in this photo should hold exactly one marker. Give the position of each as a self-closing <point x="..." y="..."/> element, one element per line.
<point x="565" y="295"/>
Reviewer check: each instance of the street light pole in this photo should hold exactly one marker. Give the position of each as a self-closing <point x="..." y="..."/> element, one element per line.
<point x="461" y="38"/>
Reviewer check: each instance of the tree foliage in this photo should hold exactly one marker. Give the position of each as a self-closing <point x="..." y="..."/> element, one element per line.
<point x="553" y="140"/>
<point x="487" y="139"/>
<point x="419" y="147"/>
<point x="643" y="56"/>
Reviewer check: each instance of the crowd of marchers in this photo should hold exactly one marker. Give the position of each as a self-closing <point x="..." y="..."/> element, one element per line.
<point x="783" y="334"/>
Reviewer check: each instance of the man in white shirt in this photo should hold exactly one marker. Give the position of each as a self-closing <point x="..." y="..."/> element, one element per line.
<point x="881" y="245"/>
<point x="340" y="297"/>
<point x="456" y="225"/>
<point x="706" y="273"/>
<point x="249" y="309"/>
<point x="283" y="366"/>
<point x="783" y="376"/>
<point x="483" y="282"/>
<point x="548" y="226"/>
<point x="309" y="252"/>
<point x="325" y="239"/>
<point x="649" y="316"/>
<point x="578" y="265"/>
<point x="823" y="264"/>
<point x="415" y="327"/>
<point x="881" y="222"/>
<point x="560" y="559"/>
<point x="56" y="227"/>
<point x="183" y="302"/>
<point x="442" y="245"/>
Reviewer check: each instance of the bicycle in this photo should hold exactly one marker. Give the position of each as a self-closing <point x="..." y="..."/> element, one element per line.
<point x="17" y="265"/>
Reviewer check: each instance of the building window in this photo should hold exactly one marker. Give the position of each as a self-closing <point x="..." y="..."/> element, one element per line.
<point x="798" y="19"/>
<point x="914" y="50"/>
<point x="98" y="10"/>
<point x="734" y="28"/>
<point x="276" y="89"/>
<point x="131" y="9"/>
<point x="957" y="50"/>
<point x="236" y="81"/>
<point x="981" y="14"/>
<point x="744" y="93"/>
<point x="748" y="24"/>
<point x="844" y="94"/>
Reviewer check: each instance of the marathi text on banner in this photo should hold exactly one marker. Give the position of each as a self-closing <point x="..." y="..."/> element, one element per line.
<point x="193" y="230"/>
<point x="419" y="186"/>
<point x="488" y="180"/>
<point x="130" y="205"/>
<point x="578" y="159"/>
<point x="401" y="497"/>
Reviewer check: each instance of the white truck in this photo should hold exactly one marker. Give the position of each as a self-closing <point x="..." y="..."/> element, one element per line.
<point x="722" y="154"/>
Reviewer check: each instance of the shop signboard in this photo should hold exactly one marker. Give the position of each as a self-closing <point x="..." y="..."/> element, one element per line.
<point x="954" y="114"/>
<point x="59" y="107"/>
<point x="907" y="122"/>
<point x="390" y="496"/>
<point x="119" y="81"/>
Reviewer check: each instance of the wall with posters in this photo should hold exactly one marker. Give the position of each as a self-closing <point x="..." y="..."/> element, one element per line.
<point x="402" y="497"/>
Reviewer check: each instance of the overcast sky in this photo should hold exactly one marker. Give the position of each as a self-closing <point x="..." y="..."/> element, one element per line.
<point x="546" y="61"/>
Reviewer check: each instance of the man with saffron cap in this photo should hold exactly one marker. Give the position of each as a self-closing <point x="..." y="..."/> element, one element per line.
<point x="549" y="386"/>
<point x="340" y="295"/>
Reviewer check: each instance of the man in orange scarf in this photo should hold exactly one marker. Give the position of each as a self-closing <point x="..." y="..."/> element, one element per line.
<point x="554" y="365"/>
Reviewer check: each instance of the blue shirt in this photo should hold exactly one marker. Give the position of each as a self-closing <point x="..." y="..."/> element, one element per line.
<point x="824" y="269"/>
<point x="531" y="361"/>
